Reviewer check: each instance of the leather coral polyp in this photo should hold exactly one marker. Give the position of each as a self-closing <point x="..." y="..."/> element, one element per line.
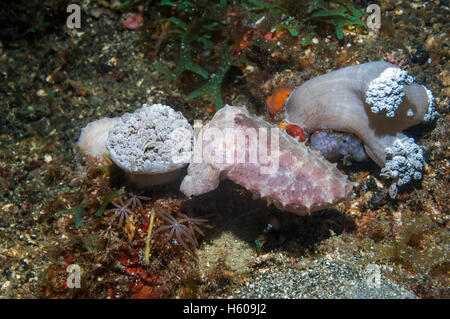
<point x="345" y="100"/>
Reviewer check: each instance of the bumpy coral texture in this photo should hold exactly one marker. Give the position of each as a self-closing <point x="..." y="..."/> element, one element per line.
<point x="301" y="182"/>
<point x="154" y="139"/>
<point x="375" y="101"/>
<point x="404" y="160"/>
<point x="386" y="92"/>
<point x="151" y="145"/>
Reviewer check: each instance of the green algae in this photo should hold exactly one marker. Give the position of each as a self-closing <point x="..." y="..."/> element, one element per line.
<point x="77" y="213"/>
<point x="105" y="203"/>
<point x="338" y="18"/>
<point x="213" y="87"/>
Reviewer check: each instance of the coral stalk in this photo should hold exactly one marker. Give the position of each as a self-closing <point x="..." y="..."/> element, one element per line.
<point x="148" y="239"/>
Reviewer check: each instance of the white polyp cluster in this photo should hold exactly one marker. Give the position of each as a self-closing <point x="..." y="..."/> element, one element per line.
<point x="386" y="92"/>
<point x="431" y="113"/>
<point x="404" y="161"/>
<point x="154" y="139"/>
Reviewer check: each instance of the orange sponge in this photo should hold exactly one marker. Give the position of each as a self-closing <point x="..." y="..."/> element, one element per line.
<point x="276" y="101"/>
